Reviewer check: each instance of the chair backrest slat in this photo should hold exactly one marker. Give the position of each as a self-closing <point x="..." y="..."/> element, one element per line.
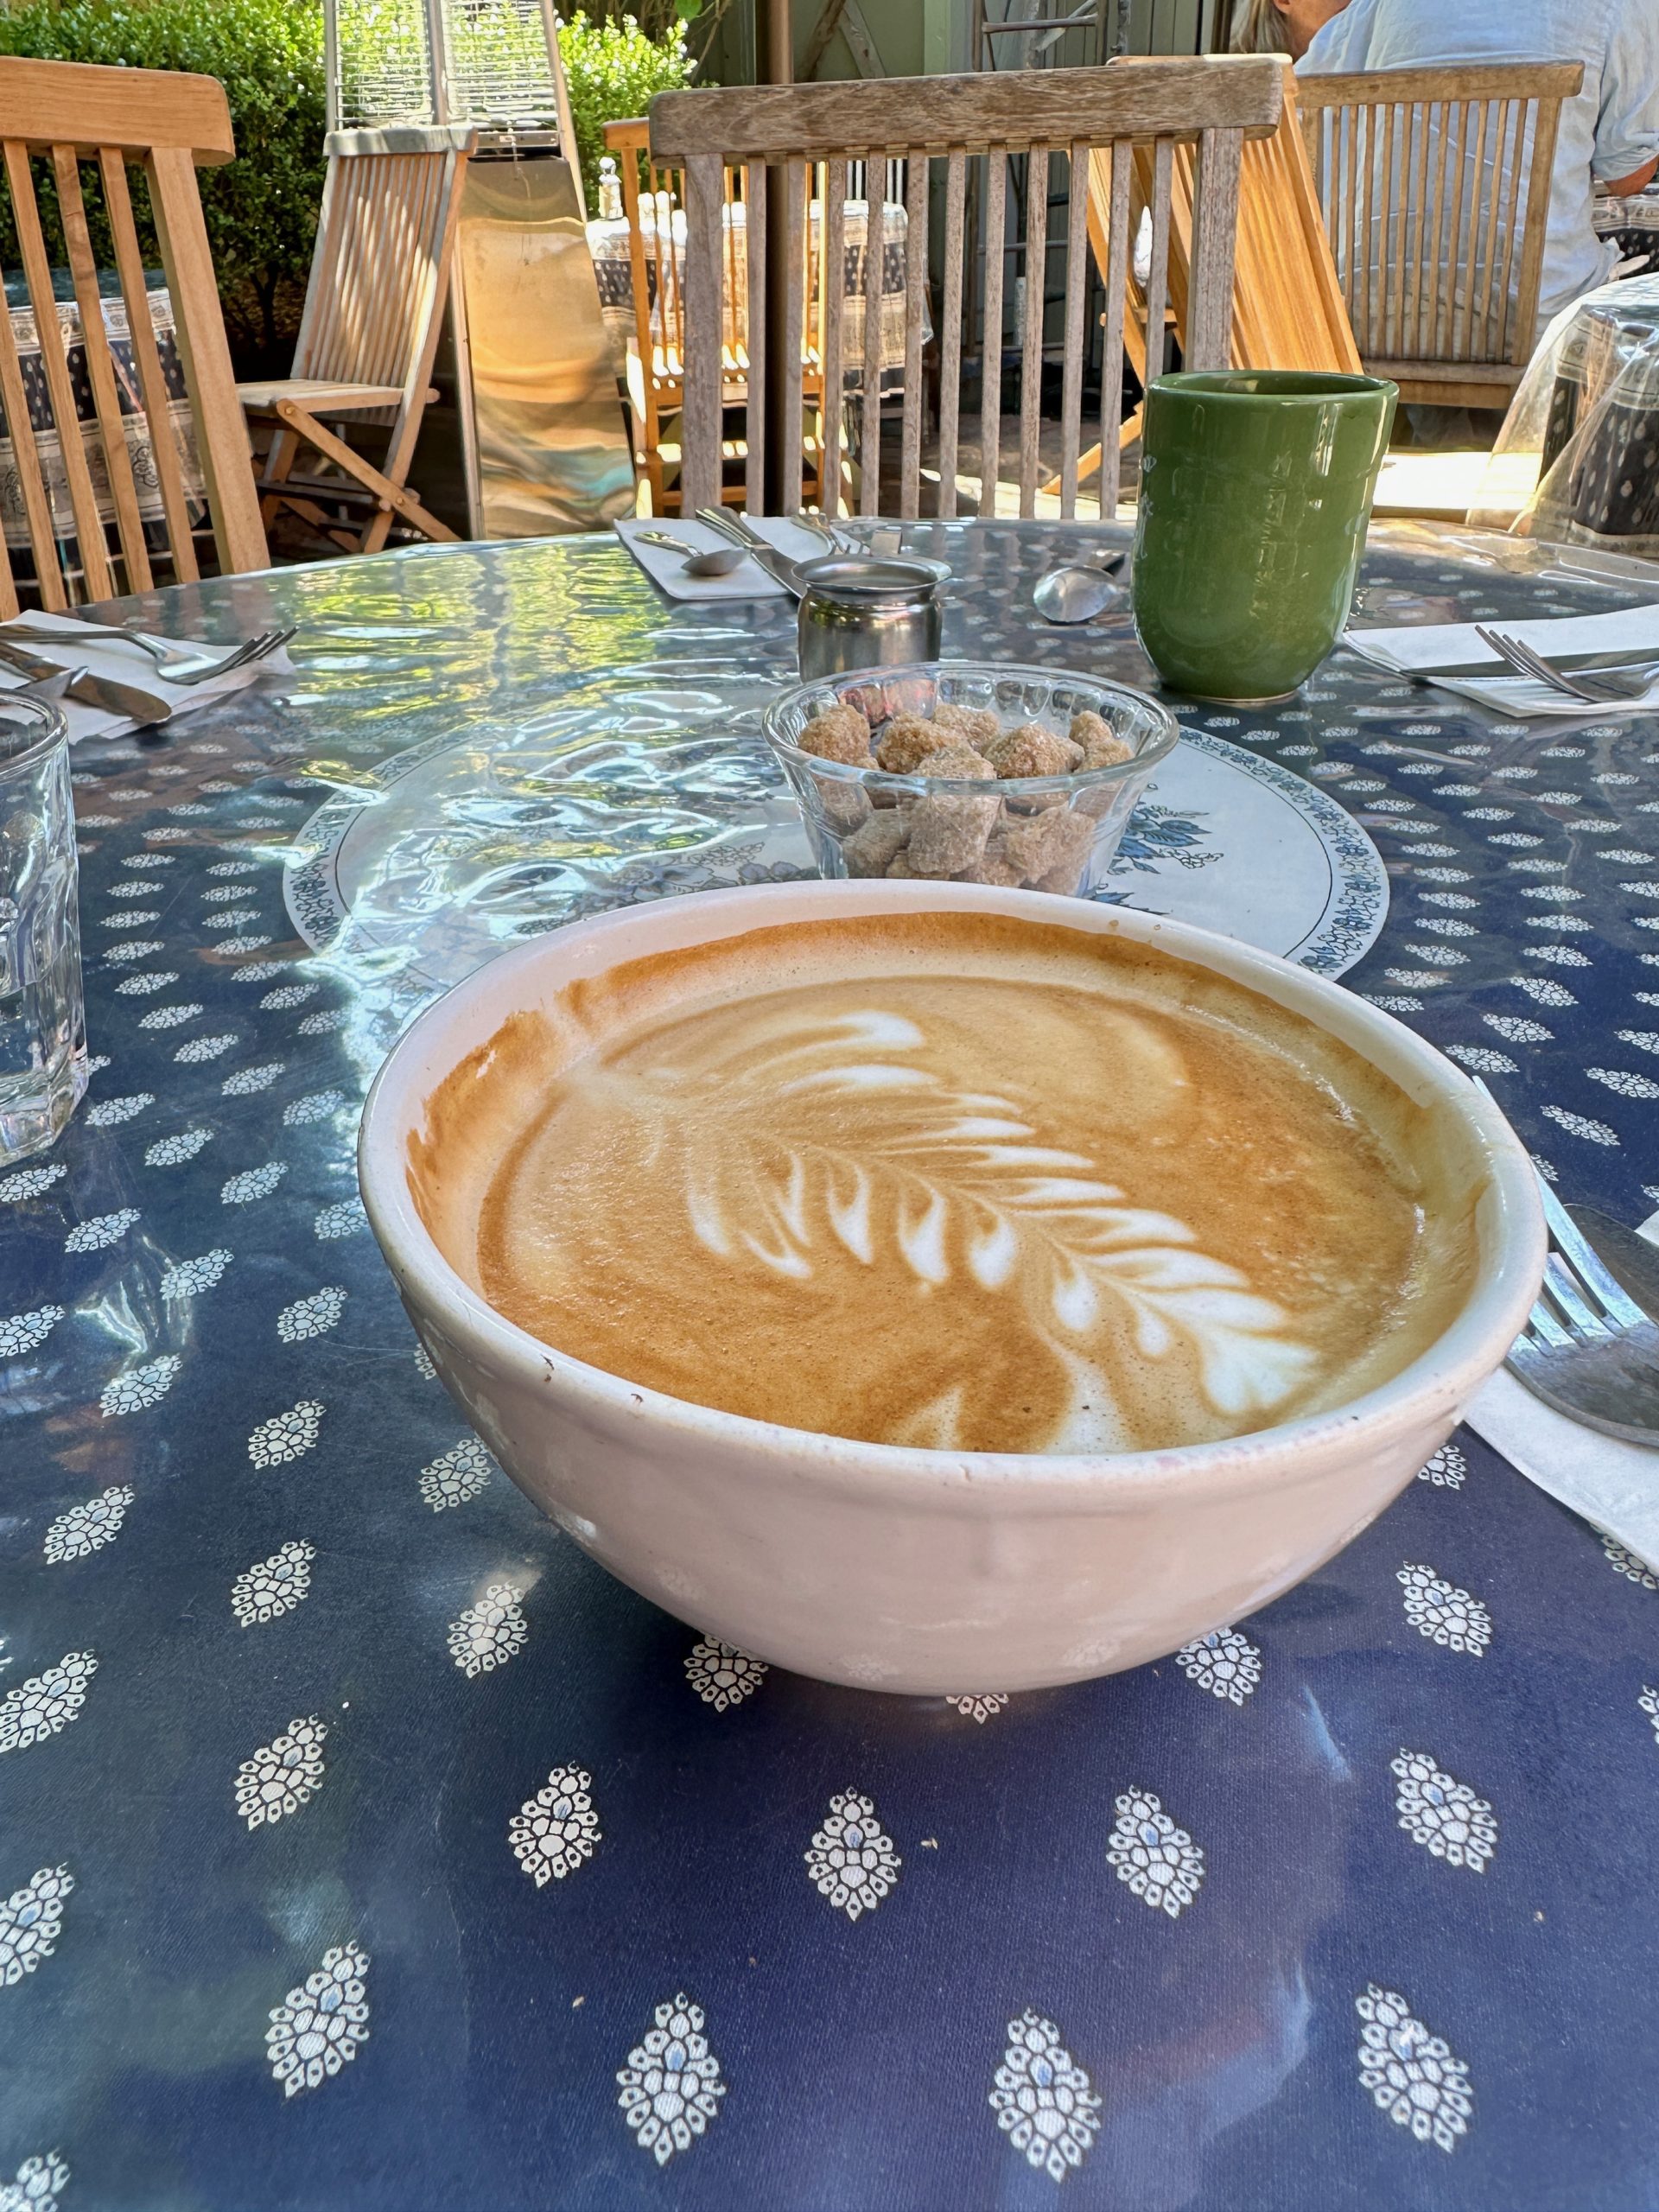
<point x="1435" y="188"/>
<point x="86" y="124"/>
<point x="100" y="368"/>
<point x="994" y="139"/>
<point x="152" y="382"/>
<point x="754" y="215"/>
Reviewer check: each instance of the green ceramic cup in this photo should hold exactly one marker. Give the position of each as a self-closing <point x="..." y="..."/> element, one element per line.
<point x="1255" y="492"/>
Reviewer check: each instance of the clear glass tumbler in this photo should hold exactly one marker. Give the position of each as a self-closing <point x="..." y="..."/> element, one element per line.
<point x="42" y="1027"/>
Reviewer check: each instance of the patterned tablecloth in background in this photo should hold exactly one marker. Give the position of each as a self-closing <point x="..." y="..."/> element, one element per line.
<point x="367" y="1846"/>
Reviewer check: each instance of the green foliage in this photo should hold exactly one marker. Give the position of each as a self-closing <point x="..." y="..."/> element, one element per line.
<point x="261" y="209"/>
<point x="612" y="71"/>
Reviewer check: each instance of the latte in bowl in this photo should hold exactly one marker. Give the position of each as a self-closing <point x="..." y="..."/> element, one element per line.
<point x="922" y="1292"/>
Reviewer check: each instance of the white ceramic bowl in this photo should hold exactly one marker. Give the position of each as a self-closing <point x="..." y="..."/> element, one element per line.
<point x="918" y="1571"/>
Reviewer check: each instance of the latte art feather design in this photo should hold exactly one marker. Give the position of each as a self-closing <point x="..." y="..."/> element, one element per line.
<point x="892" y="1160"/>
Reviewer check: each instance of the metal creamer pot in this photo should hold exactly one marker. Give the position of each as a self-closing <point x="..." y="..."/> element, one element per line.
<point x="869" y="611"/>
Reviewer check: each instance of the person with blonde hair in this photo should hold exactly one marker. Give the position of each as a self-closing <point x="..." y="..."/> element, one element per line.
<point x="1280" y="26"/>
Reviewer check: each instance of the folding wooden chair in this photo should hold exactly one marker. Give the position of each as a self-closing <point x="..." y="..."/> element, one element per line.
<point x="373" y="308"/>
<point x="1288" y="311"/>
<point x="64" y="114"/>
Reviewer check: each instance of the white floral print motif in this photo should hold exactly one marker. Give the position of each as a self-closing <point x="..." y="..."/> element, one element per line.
<point x="490" y="1632"/>
<point x="1442" y="1612"/>
<point x="721" y="1674"/>
<point x="851" y="1861"/>
<point x="423" y="1365"/>
<point x="1411" y="2075"/>
<point x="246" y="1081"/>
<point x="1224" y="1662"/>
<point x="102" y="1230"/>
<point x="186" y="1277"/>
<point x="1443" y="1815"/>
<point x="317" y="1107"/>
<point x="273" y="1586"/>
<point x="257" y="971"/>
<point x="88" y="1527"/>
<point x="111" y="1112"/>
<point x="1648" y="1702"/>
<point x="1580" y="1125"/>
<point x="310" y="1317"/>
<point x="455" y="1475"/>
<point x="139" y="986"/>
<point x="671" y="2087"/>
<point x="1482" y="1058"/>
<point x="256" y="1183"/>
<point x="319" y="1025"/>
<point x="21" y="1333"/>
<point x="283" y="1775"/>
<point x="340" y="1219"/>
<point x="227" y="894"/>
<point x="1043" y="2101"/>
<point x="171" y="1017"/>
<point x="139" y="1387"/>
<point x="31" y="1920"/>
<point x="1160" y="1863"/>
<point x="1627" y="1564"/>
<point x="979" y="1707"/>
<point x="30" y="1182"/>
<point x="119" y="955"/>
<point x="1516" y="1028"/>
<point x="36" y="2189"/>
<point x="286" y="1436"/>
<point x="1444" y="1469"/>
<point x="320" y="2027"/>
<point x="556" y="1831"/>
<point x="44" y="1703"/>
<point x="202" y="1049"/>
<point x="172" y="1152"/>
<point x="287" y="994"/>
<point x="1627" y="1085"/>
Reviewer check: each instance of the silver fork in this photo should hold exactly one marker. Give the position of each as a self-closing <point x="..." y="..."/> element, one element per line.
<point x="1588" y="1349"/>
<point x="839" y="541"/>
<point x="191" y="669"/>
<point x="1592" y="687"/>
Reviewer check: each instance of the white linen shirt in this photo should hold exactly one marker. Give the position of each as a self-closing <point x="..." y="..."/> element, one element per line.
<point x="1608" y="129"/>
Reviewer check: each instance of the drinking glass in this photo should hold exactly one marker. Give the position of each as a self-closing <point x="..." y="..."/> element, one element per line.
<point x="42" y="1028"/>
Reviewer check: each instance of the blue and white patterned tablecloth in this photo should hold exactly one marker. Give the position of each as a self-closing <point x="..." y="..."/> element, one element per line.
<point x="367" y="1846"/>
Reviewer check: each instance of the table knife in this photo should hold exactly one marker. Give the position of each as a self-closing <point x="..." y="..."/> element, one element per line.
<point x="126" y="700"/>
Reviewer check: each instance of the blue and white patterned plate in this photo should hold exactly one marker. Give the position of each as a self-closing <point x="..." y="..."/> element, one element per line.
<point x="462" y="846"/>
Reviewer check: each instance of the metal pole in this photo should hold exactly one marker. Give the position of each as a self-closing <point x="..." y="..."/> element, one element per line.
<point x="437" y="61"/>
<point x="774" y="64"/>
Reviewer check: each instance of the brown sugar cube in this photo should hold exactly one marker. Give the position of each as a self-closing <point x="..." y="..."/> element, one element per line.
<point x="907" y="741"/>
<point x="1102" y="746"/>
<point x="845" y="804"/>
<point x="957" y="764"/>
<point x="838" y="733"/>
<point x="948" y="835"/>
<point x="1031" y="750"/>
<point x="1039" y="844"/>
<point x="872" y="849"/>
<point x="996" y="867"/>
<point x="978" y="725"/>
<point x="900" y="866"/>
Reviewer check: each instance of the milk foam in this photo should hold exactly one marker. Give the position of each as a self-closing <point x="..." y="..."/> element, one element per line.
<point x="1048" y="1206"/>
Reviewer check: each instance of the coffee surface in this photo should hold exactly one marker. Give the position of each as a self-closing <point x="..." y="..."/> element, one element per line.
<point x="951" y="1181"/>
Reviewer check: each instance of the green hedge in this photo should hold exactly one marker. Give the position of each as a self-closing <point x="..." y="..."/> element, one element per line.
<point x="611" y="72"/>
<point x="261" y="209"/>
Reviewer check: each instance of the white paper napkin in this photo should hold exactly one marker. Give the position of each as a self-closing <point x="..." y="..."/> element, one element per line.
<point x="667" y="568"/>
<point x="1612" y="1483"/>
<point x="1408" y="647"/>
<point x="93" y="646"/>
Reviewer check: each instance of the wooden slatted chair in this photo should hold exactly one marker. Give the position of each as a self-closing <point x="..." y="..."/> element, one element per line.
<point x="1288" y="311"/>
<point x="373" y="309"/>
<point x="988" y="123"/>
<point x="73" y="118"/>
<point x="1435" y="188"/>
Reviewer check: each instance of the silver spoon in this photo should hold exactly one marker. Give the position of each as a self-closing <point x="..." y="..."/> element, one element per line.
<point x="1079" y="590"/>
<point x="718" y="561"/>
